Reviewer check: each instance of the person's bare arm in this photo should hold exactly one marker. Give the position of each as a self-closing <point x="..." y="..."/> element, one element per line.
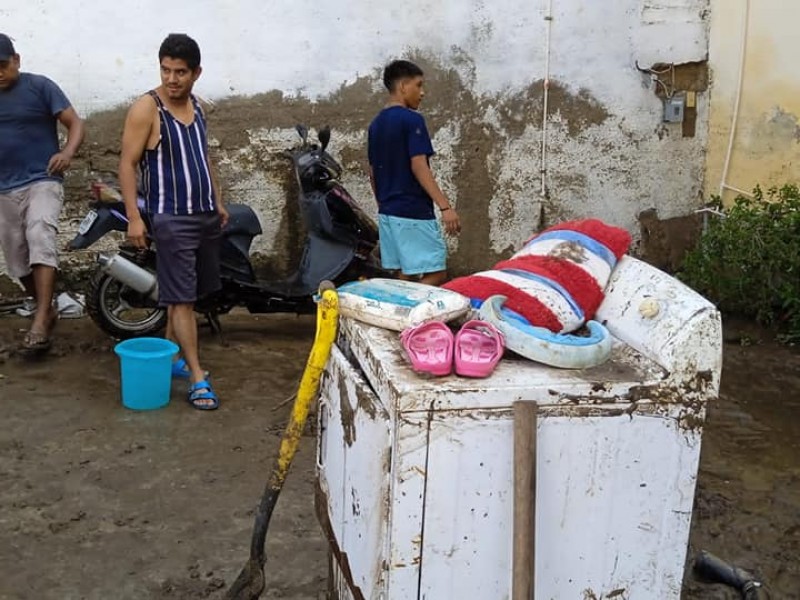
<point x="372" y="183"/>
<point x="138" y="126"/>
<point x="61" y="160"/>
<point x="423" y="173"/>
<point x="221" y="209"/>
<point x="212" y="169"/>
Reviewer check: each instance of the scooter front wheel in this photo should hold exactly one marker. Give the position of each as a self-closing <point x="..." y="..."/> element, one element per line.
<point x="121" y="311"/>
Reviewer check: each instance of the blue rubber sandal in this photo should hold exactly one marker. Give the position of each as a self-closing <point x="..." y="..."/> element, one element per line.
<point x="180" y="370"/>
<point x="202" y="391"/>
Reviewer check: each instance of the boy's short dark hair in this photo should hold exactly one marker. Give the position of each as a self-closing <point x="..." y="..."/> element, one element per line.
<point x="180" y="46"/>
<point x="399" y="69"/>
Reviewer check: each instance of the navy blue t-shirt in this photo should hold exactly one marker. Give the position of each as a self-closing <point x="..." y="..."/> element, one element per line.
<point x="395" y="136"/>
<point x="28" y="130"/>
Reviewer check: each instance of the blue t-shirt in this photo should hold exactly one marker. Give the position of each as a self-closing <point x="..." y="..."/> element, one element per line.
<point x="395" y="136"/>
<point x="28" y="130"/>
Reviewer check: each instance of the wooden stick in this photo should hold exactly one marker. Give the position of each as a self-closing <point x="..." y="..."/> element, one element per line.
<point x="524" y="555"/>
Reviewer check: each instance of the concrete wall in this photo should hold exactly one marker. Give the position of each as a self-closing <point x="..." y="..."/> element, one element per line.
<point x="766" y="143"/>
<point x="270" y="65"/>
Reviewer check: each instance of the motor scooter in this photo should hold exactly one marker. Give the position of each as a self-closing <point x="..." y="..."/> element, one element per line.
<point x="339" y="246"/>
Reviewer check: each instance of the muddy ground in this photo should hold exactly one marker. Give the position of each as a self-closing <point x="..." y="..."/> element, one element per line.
<point x="98" y="502"/>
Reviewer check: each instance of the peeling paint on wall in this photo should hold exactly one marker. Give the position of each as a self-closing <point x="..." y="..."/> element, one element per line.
<point x="608" y="154"/>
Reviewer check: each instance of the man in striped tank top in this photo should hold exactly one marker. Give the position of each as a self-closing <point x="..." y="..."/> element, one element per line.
<point x="165" y="138"/>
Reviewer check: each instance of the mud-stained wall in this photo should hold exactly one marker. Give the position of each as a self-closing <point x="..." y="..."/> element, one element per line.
<point x="604" y="152"/>
<point x="753" y="41"/>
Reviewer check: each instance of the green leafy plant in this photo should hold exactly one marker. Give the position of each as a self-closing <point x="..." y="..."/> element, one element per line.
<point x="748" y="260"/>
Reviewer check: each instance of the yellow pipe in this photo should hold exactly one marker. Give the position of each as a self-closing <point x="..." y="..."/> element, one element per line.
<point x="250" y="582"/>
<point x="327" y="319"/>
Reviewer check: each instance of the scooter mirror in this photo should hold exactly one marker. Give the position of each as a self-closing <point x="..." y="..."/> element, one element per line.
<point x="324" y="136"/>
<point x="302" y="131"/>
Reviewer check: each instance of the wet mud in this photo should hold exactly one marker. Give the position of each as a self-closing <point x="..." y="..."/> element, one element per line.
<point x="99" y="502"/>
<point x="747" y="505"/>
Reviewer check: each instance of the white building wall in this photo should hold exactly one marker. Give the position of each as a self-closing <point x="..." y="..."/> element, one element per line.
<point x="607" y="153"/>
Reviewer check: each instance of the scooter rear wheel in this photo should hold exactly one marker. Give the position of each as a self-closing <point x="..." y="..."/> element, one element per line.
<point x="121" y="311"/>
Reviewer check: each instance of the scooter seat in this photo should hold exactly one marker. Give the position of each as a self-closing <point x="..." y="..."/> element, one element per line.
<point x="243" y="220"/>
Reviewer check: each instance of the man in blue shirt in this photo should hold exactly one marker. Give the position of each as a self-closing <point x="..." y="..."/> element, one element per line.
<point x="31" y="193"/>
<point x="399" y="148"/>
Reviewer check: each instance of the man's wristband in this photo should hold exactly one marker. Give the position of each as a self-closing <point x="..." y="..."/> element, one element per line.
<point x="445" y="208"/>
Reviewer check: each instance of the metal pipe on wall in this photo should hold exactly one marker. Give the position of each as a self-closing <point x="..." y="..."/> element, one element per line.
<point x="723" y="185"/>
<point x="548" y="17"/>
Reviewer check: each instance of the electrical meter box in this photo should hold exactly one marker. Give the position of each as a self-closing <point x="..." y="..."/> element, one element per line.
<point x="674" y="108"/>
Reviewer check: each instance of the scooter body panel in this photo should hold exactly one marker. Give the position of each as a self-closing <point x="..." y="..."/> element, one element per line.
<point x="110" y="217"/>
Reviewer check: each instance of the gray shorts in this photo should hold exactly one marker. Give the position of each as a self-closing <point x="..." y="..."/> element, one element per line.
<point x="187" y="256"/>
<point x="29" y="224"/>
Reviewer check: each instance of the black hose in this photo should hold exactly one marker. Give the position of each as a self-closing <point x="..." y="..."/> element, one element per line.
<point x="715" y="570"/>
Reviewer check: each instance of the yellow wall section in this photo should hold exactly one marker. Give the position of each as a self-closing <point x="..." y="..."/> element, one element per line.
<point x="766" y="146"/>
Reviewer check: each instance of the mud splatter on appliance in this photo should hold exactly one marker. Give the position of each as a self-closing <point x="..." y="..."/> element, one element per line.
<point x="415" y="476"/>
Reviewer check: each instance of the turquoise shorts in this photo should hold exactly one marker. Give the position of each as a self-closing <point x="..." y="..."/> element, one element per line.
<point x="413" y="246"/>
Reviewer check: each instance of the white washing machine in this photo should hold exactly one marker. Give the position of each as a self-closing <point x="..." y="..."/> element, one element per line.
<point x="416" y="476"/>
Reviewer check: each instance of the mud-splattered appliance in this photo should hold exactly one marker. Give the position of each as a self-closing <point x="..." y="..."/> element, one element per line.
<point x="415" y="475"/>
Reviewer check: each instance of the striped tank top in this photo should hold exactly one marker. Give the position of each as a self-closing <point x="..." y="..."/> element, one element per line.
<point x="175" y="174"/>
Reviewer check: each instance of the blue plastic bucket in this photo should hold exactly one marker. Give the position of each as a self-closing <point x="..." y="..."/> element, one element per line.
<point x="146" y="372"/>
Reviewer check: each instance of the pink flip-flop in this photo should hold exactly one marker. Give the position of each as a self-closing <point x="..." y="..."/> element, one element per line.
<point x="429" y="347"/>
<point x="478" y="348"/>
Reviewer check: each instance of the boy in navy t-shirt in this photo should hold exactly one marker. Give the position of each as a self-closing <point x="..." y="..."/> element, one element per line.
<point x="399" y="148"/>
